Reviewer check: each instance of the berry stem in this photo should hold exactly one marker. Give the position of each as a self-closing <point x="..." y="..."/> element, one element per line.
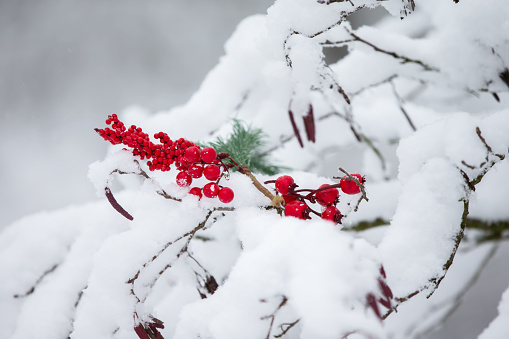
<point x="318" y="189"/>
<point x="276" y="201"/>
<point x="313" y="211"/>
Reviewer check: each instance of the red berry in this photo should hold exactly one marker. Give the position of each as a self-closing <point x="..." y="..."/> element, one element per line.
<point x="192" y="154"/>
<point x="297" y="209"/>
<point x="195" y="170"/>
<point x="289" y="198"/>
<point x="211" y="172"/>
<point x="196" y="191"/>
<point x="211" y="190"/>
<point x="183" y="179"/>
<point x="333" y="214"/>
<point x="283" y="184"/>
<point x="350" y="186"/>
<point x="225" y="195"/>
<point x="327" y="197"/>
<point x="208" y="154"/>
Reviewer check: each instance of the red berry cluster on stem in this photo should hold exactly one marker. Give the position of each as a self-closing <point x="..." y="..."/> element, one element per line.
<point x="187" y="157"/>
<point x="326" y="195"/>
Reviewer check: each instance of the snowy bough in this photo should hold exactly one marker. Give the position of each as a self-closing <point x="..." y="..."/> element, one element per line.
<point x="426" y="95"/>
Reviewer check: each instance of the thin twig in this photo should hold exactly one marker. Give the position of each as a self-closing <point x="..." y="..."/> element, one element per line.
<point x="272" y="316"/>
<point x="401" y="106"/>
<point x="37" y="282"/>
<point x="376" y="84"/>
<point x="188" y="235"/>
<point x="435" y="282"/>
<point x="289" y="326"/>
<point x="393" y="54"/>
<point x="275" y="200"/>
<point x="458" y="299"/>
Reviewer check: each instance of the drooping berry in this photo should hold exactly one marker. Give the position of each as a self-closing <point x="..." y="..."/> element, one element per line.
<point x="297" y="209"/>
<point x="195" y="170"/>
<point x="211" y="190"/>
<point x="327" y="197"/>
<point x="283" y="184"/>
<point x="225" y="195"/>
<point x="196" y="191"/>
<point x="333" y="214"/>
<point x="211" y="172"/>
<point x="184" y="179"/>
<point x="208" y="154"/>
<point x="192" y="154"/>
<point x="289" y="198"/>
<point x="349" y="186"/>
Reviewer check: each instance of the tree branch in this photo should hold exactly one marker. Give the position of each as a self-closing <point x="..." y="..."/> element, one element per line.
<point x="393" y="54"/>
<point x="37" y="282"/>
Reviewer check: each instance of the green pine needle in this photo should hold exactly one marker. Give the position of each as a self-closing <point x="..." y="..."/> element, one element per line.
<point x="245" y="147"/>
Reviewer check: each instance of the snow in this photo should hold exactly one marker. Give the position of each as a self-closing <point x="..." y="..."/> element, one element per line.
<point x="499" y="327"/>
<point x="273" y="270"/>
<point x="280" y="257"/>
<point x="67" y="238"/>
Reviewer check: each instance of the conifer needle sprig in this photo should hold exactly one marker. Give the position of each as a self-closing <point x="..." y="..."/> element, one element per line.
<point x="245" y="146"/>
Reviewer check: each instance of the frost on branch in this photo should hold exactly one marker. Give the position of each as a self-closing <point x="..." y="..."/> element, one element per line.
<point x="434" y="86"/>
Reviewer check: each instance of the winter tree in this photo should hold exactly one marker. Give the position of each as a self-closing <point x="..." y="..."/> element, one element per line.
<point x="289" y="198"/>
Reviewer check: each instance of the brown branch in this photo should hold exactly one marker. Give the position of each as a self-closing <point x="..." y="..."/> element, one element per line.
<point x="464" y="223"/>
<point x="272" y="316"/>
<point x="289" y="326"/>
<point x="183" y="250"/>
<point x="144" y="174"/>
<point x="393" y="54"/>
<point x="458" y="239"/>
<point x="458" y="299"/>
<point x="275" y="200"/>
<point x="401" y="106"/>
<point x="487" y="164"/>
<point x="376" y="84"/>
<point x="37" y="282"/>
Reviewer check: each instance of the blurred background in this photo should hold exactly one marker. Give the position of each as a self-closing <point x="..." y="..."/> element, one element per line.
<point x="66" y="64"/>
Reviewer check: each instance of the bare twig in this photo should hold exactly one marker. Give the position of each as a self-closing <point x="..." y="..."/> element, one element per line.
<point x="275" y="200"/>
<point x="285" y="327"/>
<point x="189" y="235"/>
<point x="37" y="282"/>
<point x="401" y="106"/>
<point x="393" y="54"/>
<point x="435" y="282"/>
<point x="458" y="299"/>
<point x="376" y="84"/>
<point x="272" y="316"/>
<point x="144" y="174"/>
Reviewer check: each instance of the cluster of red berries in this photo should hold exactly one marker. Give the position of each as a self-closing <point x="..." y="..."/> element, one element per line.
<point x="326" y="195"/>
<point x="187" y="157"/>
